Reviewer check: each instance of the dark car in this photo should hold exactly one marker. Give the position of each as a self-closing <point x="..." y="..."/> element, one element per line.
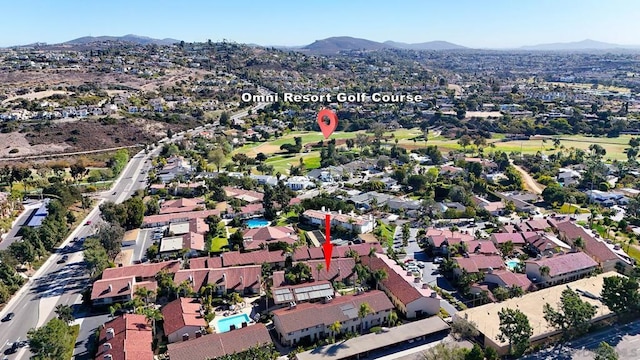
<point x="8" y="317"/>
<point x="13" y="348"/>
<point x="63" y="259"/>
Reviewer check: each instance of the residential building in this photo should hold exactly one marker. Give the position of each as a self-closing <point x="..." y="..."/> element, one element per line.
<point x="127" y="337"/>
<point x="309" y="322"/>
<point x="412" y="297"/>
<point x="183" y="319"/>
<point x="508" y="279"/>
<point x="299" y="183"/>
<point x="474" y="264"/>
<point x="560" y="268"/>
<point x="259" y="238"/>
<point x="213" y="346"/>
<point x="176" y="166"/>
<point x="182" y="205"/>
<point x="351" y="222"/>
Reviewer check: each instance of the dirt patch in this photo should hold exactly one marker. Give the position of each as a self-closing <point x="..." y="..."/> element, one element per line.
<point x="11" y="142"/>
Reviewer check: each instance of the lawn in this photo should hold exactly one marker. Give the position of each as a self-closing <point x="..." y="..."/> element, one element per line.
<point x="220" y="241"/>
<point x="385" y="232"/>
<point x="287" y="219"/>
<point x="74" y="331"/>
<point x="282" y="163"/>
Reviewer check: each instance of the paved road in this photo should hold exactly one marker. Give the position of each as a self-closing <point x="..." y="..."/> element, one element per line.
<point x="10" y="237"/>
<point x="625" y="338"/>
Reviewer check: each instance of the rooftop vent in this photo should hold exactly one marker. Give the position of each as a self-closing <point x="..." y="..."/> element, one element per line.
<point x="110" y="333"/>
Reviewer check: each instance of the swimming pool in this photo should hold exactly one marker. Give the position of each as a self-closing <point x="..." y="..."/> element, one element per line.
<point x="257" y="222"/>
<point x="512" y="263"/>
<point x="224" y="325"/>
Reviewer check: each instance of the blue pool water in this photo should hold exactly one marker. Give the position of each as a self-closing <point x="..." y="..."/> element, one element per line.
<point x="256" y="223"/>
<point x="224" y="325"/>
<point x="512" y="263"/>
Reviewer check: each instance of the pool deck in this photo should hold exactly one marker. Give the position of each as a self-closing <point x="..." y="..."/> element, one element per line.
<point x="239" y="310"/>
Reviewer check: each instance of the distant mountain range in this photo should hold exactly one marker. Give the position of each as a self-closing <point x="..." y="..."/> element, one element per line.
<point x="136" y="39"/>
<point x="336" y="44"/>
<point x="587" y="44"/>
<point x="345" y="43"/>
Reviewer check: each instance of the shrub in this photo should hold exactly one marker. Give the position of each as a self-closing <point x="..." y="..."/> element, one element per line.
<point x="375" y="329"/>
<point x="13" y="151"/>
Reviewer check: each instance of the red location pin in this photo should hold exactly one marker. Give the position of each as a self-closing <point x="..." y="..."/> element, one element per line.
<point x="328" y="121"/>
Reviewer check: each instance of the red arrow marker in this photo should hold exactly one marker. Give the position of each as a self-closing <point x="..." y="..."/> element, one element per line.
<point x="328" y="122"/>
<point x="327" y="246"/>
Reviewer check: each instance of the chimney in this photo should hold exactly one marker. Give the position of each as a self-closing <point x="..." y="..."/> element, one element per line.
<point x="416" y="280"/>
<point x="107" y="346"/>
<point x="110" y="333"/>
<point x="434" y="294"/>
<point x="110" y="288"/>
<point x="409" y="273"/>
<point x="425" y="285"/>
<point x="185" y="337"/>
<point x="340" y="212"/>
<point x="198" y="334"/>
<point x="323" y="209"/>
<point x="129" y="285"/>
<point x="108" y="357"/>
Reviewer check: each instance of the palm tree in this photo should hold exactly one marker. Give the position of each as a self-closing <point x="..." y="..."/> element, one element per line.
<point x="379" y="276"/>
<point x="319" y="268"/>
<point x="579" y="242"/>
<point x="372" y="253"/>
<point x="544" y="270"/>
<point x="393" y="318"/>
<point x="364" y="310"/>
<point x="183" y="289"/>
<point x="152" y="315"/>
<point x="114" y="308"/>
<point x="65" y="313"/>
<point x="335" y="328"/>
<point x="144" y="294"/>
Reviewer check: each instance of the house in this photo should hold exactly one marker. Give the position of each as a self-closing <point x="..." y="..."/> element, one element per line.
<point x="411" y="297"/>
<point x="182" y="205"/>
<point x="351" y="222"/>
<point x="306" y="292"/>
<point x="236" y="258"/>
<point x="309" y="322"/>
<point x="258" y="238"/>
<point x="600" y="251"/>
<point x="500" y="239"/>
<point x="176" y="166"/>
<point x="441" y="240"/>
<point x="248" y="196"/>
<point x="341" y="270"/>
<point x="299" y="183"/>
<point x="474" y="264"/>
<point x="495" y="208"/>
<point x="558" y="269"/>
<point x="265" y="179"/>
<point x="606" y="199"/>
<point x="568" y="176"/>
<point x="208" y="347"/>
<point x="142" y="272"/>
<point x="127" y="337"/>
<point x="183" y="319"/>
<point x="508" y="279"/>
<point x="190" y="243"/>
<point x="166" y="219"/>
<point x="244" y="280"/>
<point x="544" y="243"/>
<point x="117" y="290"/>
<point x="520" y="200"/>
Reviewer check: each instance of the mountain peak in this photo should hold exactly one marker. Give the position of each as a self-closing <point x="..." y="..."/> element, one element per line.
<point x="132" y="38"/>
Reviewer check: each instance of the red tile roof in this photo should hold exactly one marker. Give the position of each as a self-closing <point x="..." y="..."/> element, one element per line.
<point x="513" y="279"/>
<point x="562" y="264"/>
<point x="235" y="258"/>
<point x="183" y="216"/>
<point x="255" y="238"/>
<point x="205" y="262"/>
<point x="309" y="315"/>
<point x="180" y="313"/>
<point x="196" y="277"/>
<point x="245" y="195"/>
<point x="131" y="340"/>
<point x="144" y="271"/>
<point x="181" y="205"/>
<point x="193" y="241"/>
<point x="395" y="283"/>
<point x="217" y="345"/>
<point x="597" y="249"/>
<point x="237" y="278"/>
<point x="112" y="287"/>
<point x="475" y="263"/>
<point x="501" y="238"/>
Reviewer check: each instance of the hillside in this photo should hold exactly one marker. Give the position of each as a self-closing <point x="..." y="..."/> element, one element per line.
<point x="342" y="43"/>
<point x="142" y="40"/>
<point x="587" y="44"/>
<point x="430" y="45"/>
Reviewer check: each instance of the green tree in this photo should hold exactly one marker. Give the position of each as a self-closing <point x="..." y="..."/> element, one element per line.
<point x="620" y="294"/>
<point x="379" y="276"/>
<point x="64" y="313"/>
<point x="445" y="351"/>
<point x="463" y="328"/>
<point x="135" y="210"/>
<point x="335" y="328"/>
<point x="406" y="233"/>
<point x="50" y="341"/>
<point x="605" y="352"/>
<point x="95" y="257"/>
<point x="216" y="157"/>
<point x="110" y="236"/>
<point x="573" y="316"/>
<point x="464" y="141"/>
<point x="476" y="353"/>
<point x="516" y="329"/>
<point x="364" y="310"/>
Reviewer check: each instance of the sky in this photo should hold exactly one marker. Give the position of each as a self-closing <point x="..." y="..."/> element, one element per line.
<point x="472" y="23"/>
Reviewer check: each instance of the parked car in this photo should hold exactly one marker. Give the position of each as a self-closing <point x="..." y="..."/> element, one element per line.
<point x="88" y="222"/>
<point x="420" y="264"/>
<point x="438" y="260"/>
<point x="63" y="259"/>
